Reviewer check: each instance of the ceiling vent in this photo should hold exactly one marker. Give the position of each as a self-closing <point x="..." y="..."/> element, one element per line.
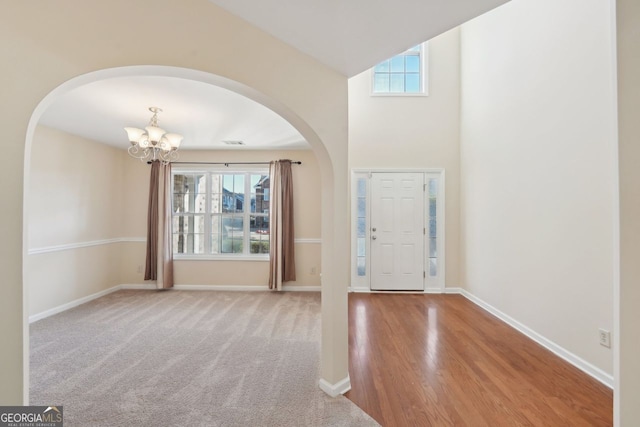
<point x="233" y="142"/>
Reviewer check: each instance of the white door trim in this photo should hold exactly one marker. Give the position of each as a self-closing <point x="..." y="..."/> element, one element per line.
<point x="363" y="283"/>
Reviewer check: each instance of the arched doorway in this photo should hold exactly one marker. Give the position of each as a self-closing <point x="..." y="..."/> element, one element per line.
<point x="331" y="312"/>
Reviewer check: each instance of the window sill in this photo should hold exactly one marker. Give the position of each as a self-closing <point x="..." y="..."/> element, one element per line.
<point x="401" y="94"/>
<point x="259" y="258"/>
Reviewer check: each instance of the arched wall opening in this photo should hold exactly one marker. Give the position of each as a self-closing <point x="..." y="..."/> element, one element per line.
<point x="322" y="156"/>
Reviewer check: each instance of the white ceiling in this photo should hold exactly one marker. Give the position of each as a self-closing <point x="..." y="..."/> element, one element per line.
<point x="351" y="36"/>
<point x="203" y="113"/>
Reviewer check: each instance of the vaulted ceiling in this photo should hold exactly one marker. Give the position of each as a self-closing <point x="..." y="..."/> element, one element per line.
<point x="349" y="36"/>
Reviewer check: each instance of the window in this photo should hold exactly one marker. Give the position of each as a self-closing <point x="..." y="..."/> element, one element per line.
<point x="361" y="224"/>
<point x="220" y="214"/>
<point x="432" y="218"/>
<point x="403" y="74"/>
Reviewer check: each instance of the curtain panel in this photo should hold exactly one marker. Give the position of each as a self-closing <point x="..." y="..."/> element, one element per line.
<point x="159" y="261"/>
<point x="282" y="266"/>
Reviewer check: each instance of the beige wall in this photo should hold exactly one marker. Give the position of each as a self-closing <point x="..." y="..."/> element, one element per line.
<point x="135" y="198"/>
<point x="248" y="273"/>
<point x="76" y="189"/>
<point x="75" y="194"/>
<point x="538" y="168"/>
<point x="627" y="341"/>
<point x="60" y="277"/>
<point x="415" y="132"/>
<point x="48" y="44"/>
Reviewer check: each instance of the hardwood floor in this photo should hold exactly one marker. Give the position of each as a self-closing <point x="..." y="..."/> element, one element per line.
<point x="439" y="360"/>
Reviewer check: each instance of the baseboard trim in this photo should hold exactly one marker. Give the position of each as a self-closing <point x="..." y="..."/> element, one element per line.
<point x="334" y="390"/>
<point x="301" y="288"/>
<point x="559" y="351"/>
<point x="139" y="286"/>
<point x="314" y="241"/>
<point x="365" y="290"/>
<point x="72" y="304"/>
<point x="244" y="288"/>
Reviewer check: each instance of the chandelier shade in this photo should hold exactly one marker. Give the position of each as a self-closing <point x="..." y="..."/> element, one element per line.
<point x="153" y="142"/>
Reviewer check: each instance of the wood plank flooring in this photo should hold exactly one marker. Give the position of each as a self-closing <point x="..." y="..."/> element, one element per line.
<point x="439" y="360"/>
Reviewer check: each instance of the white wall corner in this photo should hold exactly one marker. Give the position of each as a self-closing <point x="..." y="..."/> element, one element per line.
<point x="333" y="390"/>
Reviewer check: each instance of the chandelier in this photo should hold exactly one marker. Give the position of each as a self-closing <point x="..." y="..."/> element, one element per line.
<point x="153" y="143"/>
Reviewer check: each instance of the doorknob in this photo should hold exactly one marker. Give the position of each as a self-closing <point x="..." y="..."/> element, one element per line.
<point x="373" y="237"/>
<point x="373" y="229"/>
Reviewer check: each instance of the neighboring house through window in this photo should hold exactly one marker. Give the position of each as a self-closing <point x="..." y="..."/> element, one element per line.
<point x="404" y="74"/>
<point x="220" y="214"/>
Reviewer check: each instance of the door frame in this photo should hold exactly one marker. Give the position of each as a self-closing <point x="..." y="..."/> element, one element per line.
<point x="363" y="283"/>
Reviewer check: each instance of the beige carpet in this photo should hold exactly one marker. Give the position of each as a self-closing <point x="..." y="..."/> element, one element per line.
<point x="187" y="358"/>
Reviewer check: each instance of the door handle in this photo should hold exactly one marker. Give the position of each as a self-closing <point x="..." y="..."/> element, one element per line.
<point x="373" y="237"/>
<point x="373" y="229"/>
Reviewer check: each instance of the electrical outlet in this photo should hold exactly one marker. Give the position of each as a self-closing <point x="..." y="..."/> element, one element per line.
<point x="313" y="271"/>
<point x="605" y="338"/>
<point x="139" y="269"/>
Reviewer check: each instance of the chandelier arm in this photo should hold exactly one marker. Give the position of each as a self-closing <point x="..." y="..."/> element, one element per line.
<point x="173" y="155"/>
<point x="165" y="156"/>
<point x="137" y="152"/>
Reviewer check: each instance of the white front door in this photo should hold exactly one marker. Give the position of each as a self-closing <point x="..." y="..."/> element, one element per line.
<point x="397" y="231"/>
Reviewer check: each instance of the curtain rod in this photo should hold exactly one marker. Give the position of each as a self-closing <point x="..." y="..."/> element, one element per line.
<point x="230" y="163"/>
<point x="227" y="163"/>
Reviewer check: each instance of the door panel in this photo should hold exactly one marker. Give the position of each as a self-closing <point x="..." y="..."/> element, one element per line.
<point x="387" y="259"/>
<point x="397" y="231"/>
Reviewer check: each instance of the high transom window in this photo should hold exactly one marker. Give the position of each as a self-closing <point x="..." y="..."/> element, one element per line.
<point x="404" y="74"/>
<point x="220" y="214"/>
